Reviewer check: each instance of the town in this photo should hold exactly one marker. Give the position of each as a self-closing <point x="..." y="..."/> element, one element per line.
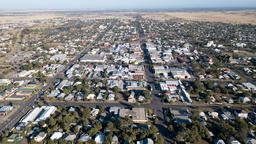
<point x="127" y="78"/>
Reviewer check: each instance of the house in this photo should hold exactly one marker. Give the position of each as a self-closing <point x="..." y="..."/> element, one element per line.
<point x="135" y="85"/>
<point x="70" y="137"/>
<point x="99" y="138"/>
<point x="145" y="141"/>
<point x="235" y="142"/>
<point x="116" y="83"/>
<point x="59" y="58"/>
<point x="241" y="114"/>
<point x="69" y="97"/>
<point x="100" y="96"/>
<point x="244" y="99"/>
<point x="56" y="136"/>
<point x="252" y="117"/>
<point x="40" y="137"/>
<point x="181" y="116"/>
<point x="220" y="141"/>
<point x="141" y="98"/>
<point x="213" y="114"/>
<point x="61" y="95"/>
<point x="249" y="86"/>
<point x="84" y="138"/>
<point x="64" y="83"/>
<point x="131" y="98"/>
<point x="15" y="138"/>
<point x="111" y="97"/>
<point x="251" y="141"/>
<point x="203" y="115"/>
<point x="93" y="59"/>
<point x="138" y="115"/>
<point x="94" y="112"/>
<point x="179" y="73"/>
<point x="115" y="140"/>
<point x="114" y="110"/>
<point x="5" y="81"/>
<point x="91" y="96"/>
<point x="227" y="115"/>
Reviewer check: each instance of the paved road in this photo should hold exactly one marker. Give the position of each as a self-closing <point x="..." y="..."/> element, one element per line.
<point x="27" y="106"/>
<point x="156" y="103"/>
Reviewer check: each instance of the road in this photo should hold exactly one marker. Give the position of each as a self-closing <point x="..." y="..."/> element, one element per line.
<point x="156" y="104"/>
<point x="28" y="105"/>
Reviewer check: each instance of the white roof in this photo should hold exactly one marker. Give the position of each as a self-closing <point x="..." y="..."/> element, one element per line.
<point x="99" y="139"/>
<point x="56" y="135"/>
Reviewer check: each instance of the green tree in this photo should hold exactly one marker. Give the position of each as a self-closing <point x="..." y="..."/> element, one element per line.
<point x="243" y="129"/>
<point x="116" y="90"/>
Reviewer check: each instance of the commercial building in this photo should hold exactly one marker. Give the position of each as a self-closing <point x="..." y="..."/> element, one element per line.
<point x="138" y="115"/>
<point x="93" y="59"/>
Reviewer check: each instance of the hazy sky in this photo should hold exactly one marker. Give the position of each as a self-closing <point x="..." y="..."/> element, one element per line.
<point x="121" y="4"/>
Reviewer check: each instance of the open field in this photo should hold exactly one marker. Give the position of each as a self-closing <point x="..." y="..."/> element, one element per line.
<point x="235" y="17"/>
<point x="26" y="17"/>
<point x="29" y="17"/>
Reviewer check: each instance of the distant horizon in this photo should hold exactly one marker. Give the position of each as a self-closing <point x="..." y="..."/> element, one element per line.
<point x="131" y="10"/>
<point x="89" y="5"/>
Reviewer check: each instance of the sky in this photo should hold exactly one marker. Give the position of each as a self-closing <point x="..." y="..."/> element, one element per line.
<point x="121" y="4"/>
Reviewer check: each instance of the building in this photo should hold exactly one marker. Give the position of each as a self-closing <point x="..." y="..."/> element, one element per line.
<point x="169" y="86"/>
<point x="99" y="138"/>
<point x="93" y="59"/>
<point x="138" y="115"/>
<point x="178" y="73"/>
<point x="181" y="116"/>
<point x="135" y="85"/>
<point x="40" y="137"/>
<point x="137" y="72"/>
<point x="251" y="87"/>
<point x="5" y="109"/>
<point x="56" y="135"/>
<point x="5" y="81"/>
<point x="145" y="141"/>
<point x="26" y="73"/>
<point x="38" y="114"/>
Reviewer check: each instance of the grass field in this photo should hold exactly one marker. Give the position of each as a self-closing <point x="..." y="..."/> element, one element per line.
<point x="234" y="17"/>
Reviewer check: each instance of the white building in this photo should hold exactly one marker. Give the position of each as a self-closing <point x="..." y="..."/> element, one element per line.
<point x="93" y="59"/>
<point x="39" y="114"/>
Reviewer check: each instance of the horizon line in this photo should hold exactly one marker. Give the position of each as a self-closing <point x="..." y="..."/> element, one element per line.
<point x="128" y="9"/>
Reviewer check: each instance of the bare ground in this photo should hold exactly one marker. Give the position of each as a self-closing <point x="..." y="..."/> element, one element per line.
<point x="234" y="17"/>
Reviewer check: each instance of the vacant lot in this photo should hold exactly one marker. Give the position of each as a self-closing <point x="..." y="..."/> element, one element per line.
<point x="12" y="18"/>
<point x="235" y="17"/>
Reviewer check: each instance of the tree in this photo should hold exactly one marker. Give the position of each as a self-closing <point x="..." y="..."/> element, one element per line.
<point x="51" y="122"/>
<point x="110" y="126"/>
<point x="153" y="129"/>
<point x="108" y="138"/>
<point x="116" y="90"/>
<point x="225" y="131"/>
<point x="243" y="129"/>
<point x="160" y="139"/>
<point x="86" y="113"/>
